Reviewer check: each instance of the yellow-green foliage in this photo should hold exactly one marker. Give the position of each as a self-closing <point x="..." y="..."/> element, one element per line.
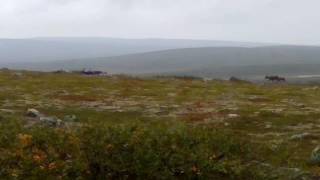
<point x="155" y="128"/>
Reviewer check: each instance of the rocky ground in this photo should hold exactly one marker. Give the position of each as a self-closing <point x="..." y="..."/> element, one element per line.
<point x="283" y="118"/>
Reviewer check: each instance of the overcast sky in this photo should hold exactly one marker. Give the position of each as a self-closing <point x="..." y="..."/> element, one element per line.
<point x="285" y="21"/>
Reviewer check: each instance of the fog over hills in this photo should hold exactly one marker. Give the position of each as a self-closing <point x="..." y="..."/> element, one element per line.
<point x="51" y="49"/>
<point x="207" y="61"/>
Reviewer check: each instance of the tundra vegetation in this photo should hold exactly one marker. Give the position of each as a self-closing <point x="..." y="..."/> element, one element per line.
<point x="71" y="126"/>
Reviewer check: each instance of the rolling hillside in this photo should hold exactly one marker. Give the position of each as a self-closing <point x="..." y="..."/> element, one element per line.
<point x="52" y="49"/>
<point x="210" y="61"/>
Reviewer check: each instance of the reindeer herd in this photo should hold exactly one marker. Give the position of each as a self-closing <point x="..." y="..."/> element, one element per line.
<point x="99" y="73"/>
<point x="275" y="78"/>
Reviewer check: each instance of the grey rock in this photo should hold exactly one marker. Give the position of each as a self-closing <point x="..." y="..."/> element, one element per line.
<point x="315" y="156"/>
<point x="33" y="113"/>
<point x="51" y="121"/>
<point x="268" y="126"/>
<point x="300" y="136"/>
<point x="18" y="74"/>
<point x="70" y="118"/>
<point x="272" y="172"/>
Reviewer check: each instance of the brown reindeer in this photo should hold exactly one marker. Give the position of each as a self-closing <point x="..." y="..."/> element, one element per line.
<point x="275" y="78"/>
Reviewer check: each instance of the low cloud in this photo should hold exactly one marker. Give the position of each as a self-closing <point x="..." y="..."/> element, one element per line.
<point x="286" y="21"/>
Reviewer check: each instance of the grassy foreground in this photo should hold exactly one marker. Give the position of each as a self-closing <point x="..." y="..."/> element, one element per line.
<point x="160" y="128"/>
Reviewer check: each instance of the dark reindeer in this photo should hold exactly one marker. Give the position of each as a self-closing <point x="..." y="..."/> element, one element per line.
<point x="275" y="78"/>
<point x="86" y="72"/>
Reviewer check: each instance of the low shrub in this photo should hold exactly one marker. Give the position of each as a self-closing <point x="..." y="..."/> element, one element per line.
<point x="132" y="150"/>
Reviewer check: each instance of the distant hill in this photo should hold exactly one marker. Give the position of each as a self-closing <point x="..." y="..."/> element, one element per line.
<point x="211" y="62"/>
<point x="51" y="49"/>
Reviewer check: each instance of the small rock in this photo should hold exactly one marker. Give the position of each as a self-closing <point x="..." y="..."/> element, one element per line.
<point x="33" y="113"/>
<point x="277" y="111"/>
<point x="315" y="156"/>
<point x="268" y="126"/>
<point x="273" y="172"/>
<point x="300" y="136"/>
<point x="233" y="115"/>
<point x="51" y="121"/>
<point x="206" y="79"/>
<point x="70" y="118"/>
<point x="18" y="74"/>
<point x="300" y="105"/>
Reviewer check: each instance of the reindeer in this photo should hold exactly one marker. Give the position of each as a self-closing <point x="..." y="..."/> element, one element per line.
<point x="86" y="72"/>
<point x="275" y="78"/>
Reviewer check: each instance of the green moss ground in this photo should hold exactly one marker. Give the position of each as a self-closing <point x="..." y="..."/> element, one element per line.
<point x="156" y="128"/>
